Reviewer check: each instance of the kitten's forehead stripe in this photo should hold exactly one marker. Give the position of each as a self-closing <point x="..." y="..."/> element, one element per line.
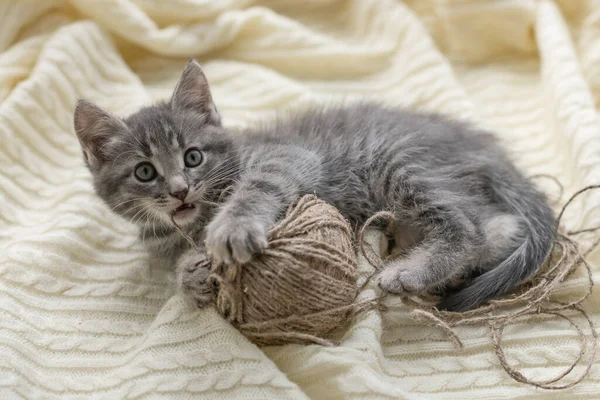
<point x="139" y="141"/>
<point x="153" y="136"/>
<point x="158" y="165"/>
<point x="170" y="133"/>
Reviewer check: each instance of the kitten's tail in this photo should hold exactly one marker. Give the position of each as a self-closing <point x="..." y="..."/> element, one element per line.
<point x="538" y="232"/>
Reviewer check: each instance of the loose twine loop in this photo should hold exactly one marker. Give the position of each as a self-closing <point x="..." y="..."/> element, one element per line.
<point x="533" y="298"/>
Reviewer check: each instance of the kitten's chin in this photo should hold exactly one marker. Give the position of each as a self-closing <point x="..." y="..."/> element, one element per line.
<point x="185" y="214"/>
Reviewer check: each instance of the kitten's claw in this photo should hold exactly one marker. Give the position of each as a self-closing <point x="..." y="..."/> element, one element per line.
<point x="193" y="270"/>
<point x="230" y="240"/>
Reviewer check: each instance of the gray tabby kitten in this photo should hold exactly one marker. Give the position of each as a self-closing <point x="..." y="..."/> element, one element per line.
<point x="463" y="210"/>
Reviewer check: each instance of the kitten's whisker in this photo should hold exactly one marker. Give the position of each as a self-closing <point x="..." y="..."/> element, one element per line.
<point x="133" y="208"/>
<point x="233" y="160"/>
<point x="126" y="201"/>
<point x="156" y="218"/>
<point x="216" y="179"/>
<point x="221" y="173"/>
<point x="214" y="174"/>
<point x="154" y="225"/>
<point x="144" y="232"/>
<point x="143" y="210"/>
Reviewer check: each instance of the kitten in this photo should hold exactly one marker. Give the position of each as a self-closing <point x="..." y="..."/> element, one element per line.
<point x="463" y="210"/>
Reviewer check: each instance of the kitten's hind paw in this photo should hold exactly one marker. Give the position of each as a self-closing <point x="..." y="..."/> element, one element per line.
<point x="192" y="274"/>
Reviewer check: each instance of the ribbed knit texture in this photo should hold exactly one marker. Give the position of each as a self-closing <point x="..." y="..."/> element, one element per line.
<point x="81" y="313"/>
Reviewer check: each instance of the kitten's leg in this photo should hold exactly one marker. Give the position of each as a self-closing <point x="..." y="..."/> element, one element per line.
<point x="191" y="275"/>
<point x="274" y="177"/>
<point x="449" y="242"/>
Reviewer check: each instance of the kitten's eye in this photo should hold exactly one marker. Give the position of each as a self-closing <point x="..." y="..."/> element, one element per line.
<point x="145" y="172"/>
<point x="192" y="158"/>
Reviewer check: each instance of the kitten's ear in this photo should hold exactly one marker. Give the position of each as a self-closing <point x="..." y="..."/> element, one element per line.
<point x="94" y="128"/>
<point x="193" y="93"/>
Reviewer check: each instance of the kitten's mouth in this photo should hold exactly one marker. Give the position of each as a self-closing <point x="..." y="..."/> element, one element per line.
<point x="184" y="213"/>
<point x="183" y="207"/>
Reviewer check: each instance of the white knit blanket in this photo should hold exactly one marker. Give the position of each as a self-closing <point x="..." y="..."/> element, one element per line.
<point x="81" y="313"/>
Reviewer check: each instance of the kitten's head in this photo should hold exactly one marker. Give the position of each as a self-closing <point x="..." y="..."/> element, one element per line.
<point x="165" y="161"/>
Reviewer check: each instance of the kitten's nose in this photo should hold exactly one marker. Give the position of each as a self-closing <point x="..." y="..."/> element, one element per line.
<point x="180" y="194"/>
<point x="178" y="187"/>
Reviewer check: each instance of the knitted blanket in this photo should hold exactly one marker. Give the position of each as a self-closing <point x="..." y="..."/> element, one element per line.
<point x="82" y="313"/>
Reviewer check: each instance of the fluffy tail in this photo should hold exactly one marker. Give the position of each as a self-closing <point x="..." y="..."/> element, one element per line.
<point x="538" y="223"/>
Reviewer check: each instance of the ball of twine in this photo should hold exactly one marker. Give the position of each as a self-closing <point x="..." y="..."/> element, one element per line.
<point x="301" y="287"/>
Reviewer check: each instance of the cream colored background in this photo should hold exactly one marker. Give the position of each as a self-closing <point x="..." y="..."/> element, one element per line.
<point x="81" y="315"/>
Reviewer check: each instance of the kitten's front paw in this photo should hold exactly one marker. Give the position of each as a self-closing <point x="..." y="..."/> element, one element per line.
<point x="230" y="240"/>
<point x="193" y="270"/>
<point x="398" y="278"/>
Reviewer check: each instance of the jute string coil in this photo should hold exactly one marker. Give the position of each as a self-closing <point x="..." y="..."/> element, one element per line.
<point x="301" y="287"/>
